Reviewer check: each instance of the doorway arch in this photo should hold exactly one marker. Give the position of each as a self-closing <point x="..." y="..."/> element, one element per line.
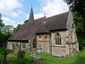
<point x="34" y="43"/>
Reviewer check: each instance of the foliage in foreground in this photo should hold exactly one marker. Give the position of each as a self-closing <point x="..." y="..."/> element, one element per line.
<point x="49" y="59"/>
<point x="6" y="31"/>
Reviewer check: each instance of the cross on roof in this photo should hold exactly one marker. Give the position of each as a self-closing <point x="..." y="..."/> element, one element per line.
<point x="5" y="53"/>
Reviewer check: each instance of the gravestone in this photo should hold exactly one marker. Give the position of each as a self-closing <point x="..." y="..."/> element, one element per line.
<point x="37" y="58"/>
<point x="21" y="55"/>
<point x="5" y="61"/>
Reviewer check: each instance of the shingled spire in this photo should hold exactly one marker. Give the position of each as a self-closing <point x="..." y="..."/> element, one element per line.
<point x="31" y="17"/>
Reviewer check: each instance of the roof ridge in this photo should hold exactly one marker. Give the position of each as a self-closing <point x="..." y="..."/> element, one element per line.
<point x="39" y="26"/>
<point x="56" y="15"/>
<point x="34" y="20"/>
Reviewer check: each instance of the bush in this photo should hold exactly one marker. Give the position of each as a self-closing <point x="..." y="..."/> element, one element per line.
<point x="80" y="41"/>
<point x="76" y="51"/>
<point x="84" y="43"/>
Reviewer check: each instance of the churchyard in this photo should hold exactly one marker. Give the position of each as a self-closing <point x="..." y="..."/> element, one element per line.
<point x="78" y="58"/>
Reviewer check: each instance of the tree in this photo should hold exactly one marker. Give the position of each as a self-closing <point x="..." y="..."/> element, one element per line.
<point x="79" y="29"/>
<point x="17" y="28"/>
<point x="1" y="24"/>
<point x="6" y="32"/>
<point x="77" y="6"/>
<point x="26" y="21"/>
<point x="1" y="35"/>
<point x="7" y="29"/>
<point x="79" y="24"/>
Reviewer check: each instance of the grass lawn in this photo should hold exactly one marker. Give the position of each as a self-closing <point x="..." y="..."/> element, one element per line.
<point x="49" y="59"/>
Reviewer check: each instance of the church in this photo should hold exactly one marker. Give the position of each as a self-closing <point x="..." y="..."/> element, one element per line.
<point x="55" y="35"/>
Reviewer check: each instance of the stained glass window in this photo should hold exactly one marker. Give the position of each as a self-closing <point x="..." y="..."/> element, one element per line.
<point x="58" y="39"/>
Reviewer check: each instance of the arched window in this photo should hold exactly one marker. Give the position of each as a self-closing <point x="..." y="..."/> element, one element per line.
<point x="58" y="39"/>
<point x="34" y="43"/>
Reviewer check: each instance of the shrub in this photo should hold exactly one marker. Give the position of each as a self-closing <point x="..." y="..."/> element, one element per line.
<point x="80" y="41"/>
<point x="76" y="51"/>
<point x="84" y="43"/>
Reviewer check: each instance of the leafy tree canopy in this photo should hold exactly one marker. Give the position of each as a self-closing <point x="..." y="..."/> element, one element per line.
<point x="77" y="6"/>
<point x="26" y="21"/>
<point x="1" y="24"/>
<point x="17" y="28"/>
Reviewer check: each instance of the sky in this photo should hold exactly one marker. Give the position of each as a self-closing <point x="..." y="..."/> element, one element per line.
<point x="15" y="12"/>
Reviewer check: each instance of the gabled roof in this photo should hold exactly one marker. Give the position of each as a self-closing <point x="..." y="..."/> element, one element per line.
<point x="44" y="28"/>
<point x="27" y="30"/>
<point x="57" y="22"/>
<point x="31" y="17"/>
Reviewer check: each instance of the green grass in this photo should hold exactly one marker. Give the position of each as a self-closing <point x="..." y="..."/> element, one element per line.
<point x="49" y="59"/>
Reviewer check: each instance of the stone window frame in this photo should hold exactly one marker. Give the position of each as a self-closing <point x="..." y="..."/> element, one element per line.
<point x="58" y="36"/>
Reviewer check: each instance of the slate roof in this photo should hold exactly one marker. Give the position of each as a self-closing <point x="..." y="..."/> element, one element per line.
<point x="44" y="28"/>
<point x="57" y="22"/>
<point x="27" y="30"/>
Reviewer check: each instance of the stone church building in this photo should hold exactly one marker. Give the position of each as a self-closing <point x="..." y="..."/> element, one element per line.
<point x="55" y="35"/>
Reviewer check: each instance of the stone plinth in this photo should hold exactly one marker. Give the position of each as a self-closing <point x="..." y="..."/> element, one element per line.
<point x="37" y="58"/>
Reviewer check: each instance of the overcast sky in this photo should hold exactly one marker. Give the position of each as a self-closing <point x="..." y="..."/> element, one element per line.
<point x="15" y="12"/>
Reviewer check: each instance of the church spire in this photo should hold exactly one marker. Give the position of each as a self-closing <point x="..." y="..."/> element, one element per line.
<point x="31" y="17"/>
